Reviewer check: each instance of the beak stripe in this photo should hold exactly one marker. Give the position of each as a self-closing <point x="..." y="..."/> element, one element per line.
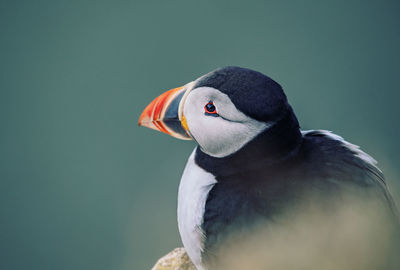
<point x="162" y="114"/>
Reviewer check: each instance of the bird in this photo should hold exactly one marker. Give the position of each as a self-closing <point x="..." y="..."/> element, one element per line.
<point x="252" y="162"/>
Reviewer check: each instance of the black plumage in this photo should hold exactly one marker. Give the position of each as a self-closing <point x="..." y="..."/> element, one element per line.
<point x="279" y="166"/>
<point x="253" y="93"/>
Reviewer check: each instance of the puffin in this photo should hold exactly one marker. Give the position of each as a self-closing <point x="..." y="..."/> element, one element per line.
<point x="252" y="163"/>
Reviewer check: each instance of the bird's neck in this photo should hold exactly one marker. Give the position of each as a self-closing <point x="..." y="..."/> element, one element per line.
<point x="271" y="147"/>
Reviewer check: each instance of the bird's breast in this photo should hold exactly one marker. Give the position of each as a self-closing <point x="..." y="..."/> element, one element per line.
<point x="194" y="187"/>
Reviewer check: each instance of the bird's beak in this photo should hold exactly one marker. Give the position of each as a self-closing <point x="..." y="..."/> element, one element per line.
<point x="165" y="114"/>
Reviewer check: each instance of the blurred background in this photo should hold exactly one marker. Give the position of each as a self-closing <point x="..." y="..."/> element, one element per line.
<point x="83" y="187"/>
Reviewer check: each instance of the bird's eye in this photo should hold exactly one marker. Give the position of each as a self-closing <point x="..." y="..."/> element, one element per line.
<point x="210" y="109"/>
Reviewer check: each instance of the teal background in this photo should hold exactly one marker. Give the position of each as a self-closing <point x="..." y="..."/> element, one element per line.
<point x="82" y="187"/>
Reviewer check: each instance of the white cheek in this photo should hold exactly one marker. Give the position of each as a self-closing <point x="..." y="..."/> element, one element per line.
<point x="217" y="136"/>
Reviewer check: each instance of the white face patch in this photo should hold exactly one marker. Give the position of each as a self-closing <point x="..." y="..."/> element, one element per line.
<point x="222" y="135"/>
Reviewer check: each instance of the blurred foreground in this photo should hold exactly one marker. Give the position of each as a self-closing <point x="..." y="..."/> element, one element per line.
<point x="351" y="233"/>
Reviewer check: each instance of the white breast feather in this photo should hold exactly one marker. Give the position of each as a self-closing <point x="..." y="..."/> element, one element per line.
<point x="194" y="187"/>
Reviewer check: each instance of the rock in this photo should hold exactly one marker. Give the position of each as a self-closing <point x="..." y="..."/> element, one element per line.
<point x="175" y="260"/>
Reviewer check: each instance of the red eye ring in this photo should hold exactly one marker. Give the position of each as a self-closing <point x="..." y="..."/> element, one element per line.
<point x="209" y="108"/>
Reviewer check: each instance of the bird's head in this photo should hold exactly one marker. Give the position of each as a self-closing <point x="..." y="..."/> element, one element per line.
<point x="222" y="110"/>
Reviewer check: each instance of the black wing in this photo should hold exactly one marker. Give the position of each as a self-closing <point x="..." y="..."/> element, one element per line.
<point x="346" y="162"/>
